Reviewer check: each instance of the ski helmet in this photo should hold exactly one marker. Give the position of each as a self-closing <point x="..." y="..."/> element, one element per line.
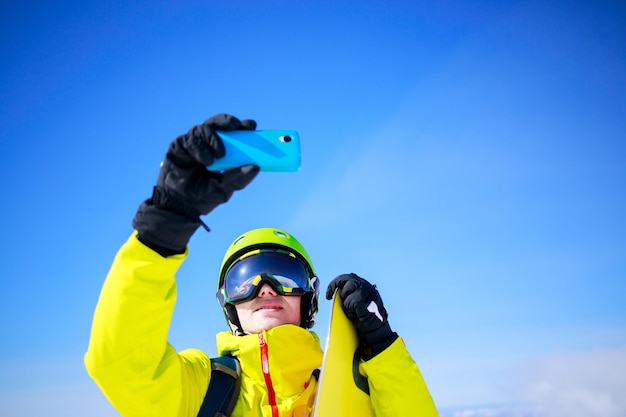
<point x="268" y="238"/>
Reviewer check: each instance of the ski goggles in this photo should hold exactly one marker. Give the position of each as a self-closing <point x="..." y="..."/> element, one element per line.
<point x="286" y="274"/>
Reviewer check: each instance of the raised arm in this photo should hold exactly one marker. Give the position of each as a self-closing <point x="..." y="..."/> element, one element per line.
<point x="129" y="356"/>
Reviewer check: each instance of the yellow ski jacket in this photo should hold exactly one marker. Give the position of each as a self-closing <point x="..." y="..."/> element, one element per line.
<point x="141" y="374"/>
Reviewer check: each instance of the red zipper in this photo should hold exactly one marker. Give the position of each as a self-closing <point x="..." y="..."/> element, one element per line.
<point x="265" y="364"/>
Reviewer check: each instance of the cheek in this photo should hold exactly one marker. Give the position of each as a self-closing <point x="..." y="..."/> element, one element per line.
<point x="242" y="311"/>
<point x="242" y="307"/>
<point x="294" y="303"/>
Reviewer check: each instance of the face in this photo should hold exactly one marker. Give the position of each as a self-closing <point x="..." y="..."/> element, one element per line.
<point x="268" y="310"/>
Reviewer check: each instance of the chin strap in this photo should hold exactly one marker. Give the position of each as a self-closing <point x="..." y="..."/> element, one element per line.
<point x="233" y="320"/>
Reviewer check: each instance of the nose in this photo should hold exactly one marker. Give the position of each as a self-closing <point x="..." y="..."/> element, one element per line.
<point x="266" y="290"/>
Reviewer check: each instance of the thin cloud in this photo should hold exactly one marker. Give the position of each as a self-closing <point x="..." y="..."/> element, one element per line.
<point x="491" y="411"/>
<point x="578" y="385"/>
<point x="363" y="176"/>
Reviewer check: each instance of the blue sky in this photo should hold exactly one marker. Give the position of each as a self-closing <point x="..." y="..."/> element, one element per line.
<point x="467" y="157"/>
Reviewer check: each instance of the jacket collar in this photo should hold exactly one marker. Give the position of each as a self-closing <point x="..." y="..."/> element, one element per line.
<point x="292" y="352"/>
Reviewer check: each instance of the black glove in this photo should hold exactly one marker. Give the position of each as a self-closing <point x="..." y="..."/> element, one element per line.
<point x="364" y="307"/>
<point x="186" y="189"/>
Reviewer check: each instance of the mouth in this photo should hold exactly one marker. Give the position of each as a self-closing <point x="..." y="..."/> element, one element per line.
<point x="269" y="306"/>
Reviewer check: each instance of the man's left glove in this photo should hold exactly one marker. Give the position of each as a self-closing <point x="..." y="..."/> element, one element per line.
<point x="185" y="189"/>
<point x="364" y="308"/>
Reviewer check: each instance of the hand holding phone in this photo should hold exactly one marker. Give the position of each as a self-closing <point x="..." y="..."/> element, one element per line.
<point x="271" y="150"/>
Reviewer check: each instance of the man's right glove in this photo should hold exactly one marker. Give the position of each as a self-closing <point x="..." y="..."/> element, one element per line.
<point x="185" y="189"/>
<point x="364" y="308"/>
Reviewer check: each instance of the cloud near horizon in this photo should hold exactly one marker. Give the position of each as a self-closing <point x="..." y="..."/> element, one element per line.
<point x="582" y="384"/>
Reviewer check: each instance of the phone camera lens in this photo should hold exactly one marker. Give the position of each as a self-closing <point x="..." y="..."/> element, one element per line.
<point x="285" y="138"/>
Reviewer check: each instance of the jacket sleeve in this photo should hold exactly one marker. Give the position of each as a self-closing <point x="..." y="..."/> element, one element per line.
<point x="397" y="387"/>
<point x="128" y="356"/>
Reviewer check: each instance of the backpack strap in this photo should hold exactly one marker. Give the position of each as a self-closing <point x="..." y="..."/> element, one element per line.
<point x="223" y="390"/>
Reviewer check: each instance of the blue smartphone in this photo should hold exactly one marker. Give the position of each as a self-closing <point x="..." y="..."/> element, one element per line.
<point x="271" y="150"/>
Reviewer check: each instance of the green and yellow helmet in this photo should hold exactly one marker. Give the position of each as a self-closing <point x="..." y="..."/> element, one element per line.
<point x="261" y="239"/>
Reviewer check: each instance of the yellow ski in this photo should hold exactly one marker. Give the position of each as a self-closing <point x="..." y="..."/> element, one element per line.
<point x="342" y="390"/>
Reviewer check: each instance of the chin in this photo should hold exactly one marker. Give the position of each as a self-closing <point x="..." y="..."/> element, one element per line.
<point x="268" y="324"/>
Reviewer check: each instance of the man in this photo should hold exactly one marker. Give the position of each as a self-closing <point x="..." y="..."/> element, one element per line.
<point x="269" y="294"/>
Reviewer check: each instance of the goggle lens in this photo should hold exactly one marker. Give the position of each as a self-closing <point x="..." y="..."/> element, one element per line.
<point x="287" y="274"/>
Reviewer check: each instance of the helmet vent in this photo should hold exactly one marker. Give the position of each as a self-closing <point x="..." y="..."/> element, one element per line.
<point x="281" y="234"/>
